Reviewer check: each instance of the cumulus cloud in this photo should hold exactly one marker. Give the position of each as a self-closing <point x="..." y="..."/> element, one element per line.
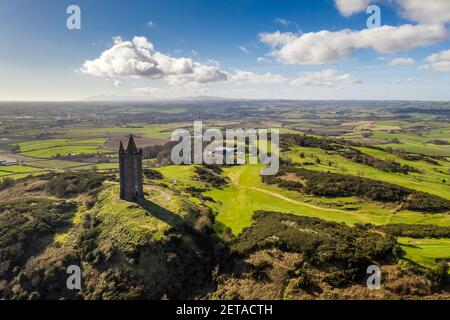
<point x="138" y="58"/>
<point x="325" y="78"/>
<point x="241" y="76"/>
<point x="349" y="7"/>
<point x="422" y="11"/>
<point x="402" y="62"/>
<point x="327" y="46"/>
<point x="439" y="61"/>
<point x="431" y="12"/>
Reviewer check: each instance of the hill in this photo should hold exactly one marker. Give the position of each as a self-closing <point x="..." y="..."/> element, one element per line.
<point x="164" y="247"/>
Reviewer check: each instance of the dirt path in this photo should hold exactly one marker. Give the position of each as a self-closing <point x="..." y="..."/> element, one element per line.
<point x="279" y="196"/>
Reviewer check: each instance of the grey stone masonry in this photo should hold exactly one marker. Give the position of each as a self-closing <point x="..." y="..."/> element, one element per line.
<point x="130" y="165"/>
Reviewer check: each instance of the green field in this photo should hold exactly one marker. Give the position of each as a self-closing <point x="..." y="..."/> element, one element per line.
<point x="246" y="193"/>
<point x="426" y="251"/>
<point x="429" y="180"/>
<point x="162" y="132"/>
<point x="64" y="151"/>
<point x="4" y="170"/>
<point x="54" y="147"/>
<point x="55" y="164"/>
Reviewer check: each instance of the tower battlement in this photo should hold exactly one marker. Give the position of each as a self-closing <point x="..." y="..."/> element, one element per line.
<point x="130" y="167"/>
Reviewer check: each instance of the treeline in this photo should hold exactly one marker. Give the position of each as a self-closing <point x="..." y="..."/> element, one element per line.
<point x="383" y="165"/>
<point x="418" y="231"/>
<point x="344" y="149"/>
<point x="328" y="184"/>
<point x="410" y="156"/>
<point x="290" y="140"/>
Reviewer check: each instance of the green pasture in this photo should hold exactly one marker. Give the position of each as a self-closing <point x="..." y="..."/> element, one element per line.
<point x="64" y="151"/>
<point x="236" y="203"/>
<point x="162" y="132"/>
<point x="55" y="164"/>
<point x="429" y="180"/>
<point x="17" y="169"/>
<point x="51" y="148"/>
<point x="425" y="251"/>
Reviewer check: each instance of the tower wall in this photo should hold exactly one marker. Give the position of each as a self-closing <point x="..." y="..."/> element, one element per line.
<point x="130" y="165"/>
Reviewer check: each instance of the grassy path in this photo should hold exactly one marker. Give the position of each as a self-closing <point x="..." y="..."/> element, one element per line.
<point x="277" y="195"/>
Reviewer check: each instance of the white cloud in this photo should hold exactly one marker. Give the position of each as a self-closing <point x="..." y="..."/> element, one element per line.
<point x="327" y="46"/>
<point x="325" y="78"/>
<point x="439" y="61"/>
<point x="243" y="49"/>
<point x="423" y="11"/>
<point x="138" y="58"/>
<point x="241" y="76"/>
<point x="402" y="62"/>
<point x="283" y="22"/>
<point x="349" y="7"/>
<point x="150" y="24"/>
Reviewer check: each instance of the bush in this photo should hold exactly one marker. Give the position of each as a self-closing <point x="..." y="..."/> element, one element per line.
<point x="153" y="174"/>
<point x="417" y="231"/>
<point x="6" y="183"/>
<point x="340" y="250"/>
<point x="72" y="184"/>
<point x="210" y="176"/>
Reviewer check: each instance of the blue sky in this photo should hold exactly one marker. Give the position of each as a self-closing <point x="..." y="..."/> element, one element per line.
<point x="222" y="51"/>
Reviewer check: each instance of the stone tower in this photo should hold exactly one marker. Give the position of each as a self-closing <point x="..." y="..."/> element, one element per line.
<point x="130" y="165"/>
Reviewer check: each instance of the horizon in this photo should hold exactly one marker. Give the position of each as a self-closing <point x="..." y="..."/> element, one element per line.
<point x="209" y="98"/>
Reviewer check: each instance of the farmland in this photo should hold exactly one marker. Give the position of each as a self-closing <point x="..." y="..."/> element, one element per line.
<point x="39" y="145"/>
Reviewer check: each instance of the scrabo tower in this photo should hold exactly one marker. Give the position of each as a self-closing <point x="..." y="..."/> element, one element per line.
<point x="130" y="164"/>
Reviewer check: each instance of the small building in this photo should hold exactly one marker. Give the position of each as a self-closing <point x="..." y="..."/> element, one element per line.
<point x="7" y="163"/>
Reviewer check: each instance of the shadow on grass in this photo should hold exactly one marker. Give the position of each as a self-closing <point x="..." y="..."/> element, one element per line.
<point x="162" y="214"/>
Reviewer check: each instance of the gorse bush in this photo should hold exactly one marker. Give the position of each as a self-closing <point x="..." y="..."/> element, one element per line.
<point x="153" y="174"/>
<point x="210" y="175"/>
<point x="342" y="251"/>
<point x="6" y="183"/>
<point x="72" y="184"/>
<point x="417" y="231"/>
<point x="25" y="227"/>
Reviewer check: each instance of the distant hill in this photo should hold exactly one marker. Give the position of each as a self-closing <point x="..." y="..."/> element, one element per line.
<point x="150" y="99"/>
